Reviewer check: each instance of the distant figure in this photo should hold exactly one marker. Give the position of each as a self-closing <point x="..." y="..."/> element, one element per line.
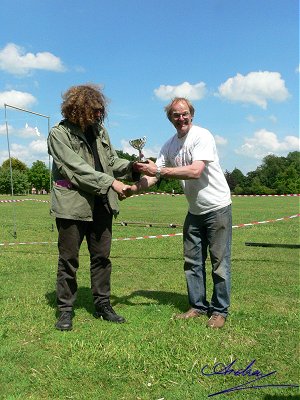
<point x="86" y="187"/>
<point x="191" y="156"/>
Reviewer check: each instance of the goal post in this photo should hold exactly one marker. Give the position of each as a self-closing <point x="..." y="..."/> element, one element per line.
<point x="6" y="106"/>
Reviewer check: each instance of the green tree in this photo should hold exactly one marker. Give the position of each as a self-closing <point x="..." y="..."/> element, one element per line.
<point x="39" y="176"/>
<point x="15" y="164"/>
<point x="238" y="177"/>
<point x="127" y="156"/>
<point x="293" y="158"/>
<point x="272" y="166"/>
<point x="288" y="182"/>
<point x="248" y="181"/>
<point x="235" y="178"/>
<point x="5" y="182"/>
<point x="19" y="178"/>
<point x="168" y="186"/>
<point x="239" y="190"/>
<point x="229" y="180"/>
<point x="258" y="188"/>
<point x="281" y="173"/>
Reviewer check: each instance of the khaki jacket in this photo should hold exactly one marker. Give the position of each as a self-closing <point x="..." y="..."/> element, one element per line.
<point x="73" y="165"/>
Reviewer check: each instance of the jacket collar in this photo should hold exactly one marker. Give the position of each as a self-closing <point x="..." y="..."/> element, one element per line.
<point x="76" y="130"/>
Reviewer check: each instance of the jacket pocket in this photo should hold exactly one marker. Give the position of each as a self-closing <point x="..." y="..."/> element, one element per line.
<point x="106" y="154"/>
<point x="71" y="204"/>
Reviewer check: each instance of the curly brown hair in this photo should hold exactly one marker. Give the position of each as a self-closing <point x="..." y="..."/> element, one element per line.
<point x="169" y="107"/>
<point x="80" y="102"/>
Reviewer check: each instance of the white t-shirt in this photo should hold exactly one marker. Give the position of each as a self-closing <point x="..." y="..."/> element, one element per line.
<point x="210" y="192"/>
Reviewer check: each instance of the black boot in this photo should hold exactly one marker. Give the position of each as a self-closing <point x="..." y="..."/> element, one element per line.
<point x="64" y="322"/>
<point x="105" y="311"/>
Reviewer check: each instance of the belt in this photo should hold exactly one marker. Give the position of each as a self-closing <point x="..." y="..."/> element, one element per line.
<point x="102" y="199"/>
<point x="64" y="183"/>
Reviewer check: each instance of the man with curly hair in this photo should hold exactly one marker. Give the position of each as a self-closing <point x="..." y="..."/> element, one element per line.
<point x="86" y="187"/>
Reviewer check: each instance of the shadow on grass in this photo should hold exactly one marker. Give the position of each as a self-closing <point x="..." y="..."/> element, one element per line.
<point x="265" y="260"/>
<point x="160" y="297"/>
<point x="85" y="300"/>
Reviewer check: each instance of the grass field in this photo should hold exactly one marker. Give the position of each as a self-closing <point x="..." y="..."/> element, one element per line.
<point x="152" y="356"/>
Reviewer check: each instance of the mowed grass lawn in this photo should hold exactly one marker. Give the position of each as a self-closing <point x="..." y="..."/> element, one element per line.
<point x="152" y="356"/>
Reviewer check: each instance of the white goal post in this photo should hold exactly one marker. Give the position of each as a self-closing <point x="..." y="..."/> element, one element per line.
<point x="9" y="156"/>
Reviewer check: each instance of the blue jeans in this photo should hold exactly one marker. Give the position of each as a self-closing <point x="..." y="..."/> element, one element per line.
<point x="213" y="232"/>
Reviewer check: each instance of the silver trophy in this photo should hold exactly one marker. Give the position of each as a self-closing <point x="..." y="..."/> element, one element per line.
<point x="138" y="144"/>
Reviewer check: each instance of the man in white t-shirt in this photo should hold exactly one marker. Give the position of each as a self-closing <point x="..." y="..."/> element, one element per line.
<point x="191" y="156"/>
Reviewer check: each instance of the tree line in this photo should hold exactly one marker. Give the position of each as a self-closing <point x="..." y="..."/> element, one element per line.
<point x="24" y="180"/>
<point x="276" y="175"/>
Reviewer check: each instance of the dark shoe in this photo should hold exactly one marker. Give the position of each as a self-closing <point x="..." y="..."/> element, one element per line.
<point x="192" y="313"/>
<point x="64" y="322"/>
<point x="105" y="311"/>
<point x="216" y="321"/>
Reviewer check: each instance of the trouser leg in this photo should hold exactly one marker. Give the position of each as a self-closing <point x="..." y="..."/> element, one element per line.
<point x="219" y="226"/>
<point x="70" y="236"/>
<point x="99" y="237"/>
<point x="195" y="253"/>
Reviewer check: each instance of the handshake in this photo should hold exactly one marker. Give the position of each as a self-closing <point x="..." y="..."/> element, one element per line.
<point x="149" y="169"/>
<point x="123" y="190"/>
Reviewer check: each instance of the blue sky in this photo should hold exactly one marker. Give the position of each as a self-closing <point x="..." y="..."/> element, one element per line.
<point x="237" y="60"/>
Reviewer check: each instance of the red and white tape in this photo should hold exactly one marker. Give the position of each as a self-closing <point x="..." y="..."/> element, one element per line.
<point x="160" y="236"/>
<point x="22" y="200"/>
<point x="161" y="193"/>
<point x="265" y="222"/>
<point x="233" y="195"/>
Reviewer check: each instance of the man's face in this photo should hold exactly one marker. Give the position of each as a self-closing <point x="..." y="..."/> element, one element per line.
<point x="181" y="118"/>
<point x="97" y="115"/>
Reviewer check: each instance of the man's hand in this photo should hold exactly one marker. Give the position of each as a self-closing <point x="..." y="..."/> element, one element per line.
<point x="121" y="189"/>
<point x="130" y="190"/>
<point x="148" y="168"/>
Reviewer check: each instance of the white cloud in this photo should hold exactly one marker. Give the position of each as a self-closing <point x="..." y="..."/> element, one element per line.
<point x="254" y="119"/>
<point x="32" y="148"/>
<point x="256" y="88"/>
<point x="298" y="69"/>
<point x="28" y="131"/>
<point x="3" y="156"/>
<point x="187" y="90"/>
<point x="17" y="99"/>
<point x="79" y="69"/>
<point x="251" y="118"/>
<point x="265" y="142"/>
<point x="221" y="141"/>
<point x="14" y="60"/>
<point x="273" y="118"/>
<point x="35" y="150"/>
<point x="39" y="146"/>
<point x="19" y="151"/>
<point x="3" y="129"/>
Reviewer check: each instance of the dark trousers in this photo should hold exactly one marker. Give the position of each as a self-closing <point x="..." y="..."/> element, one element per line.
<point x="98" y="234"/>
